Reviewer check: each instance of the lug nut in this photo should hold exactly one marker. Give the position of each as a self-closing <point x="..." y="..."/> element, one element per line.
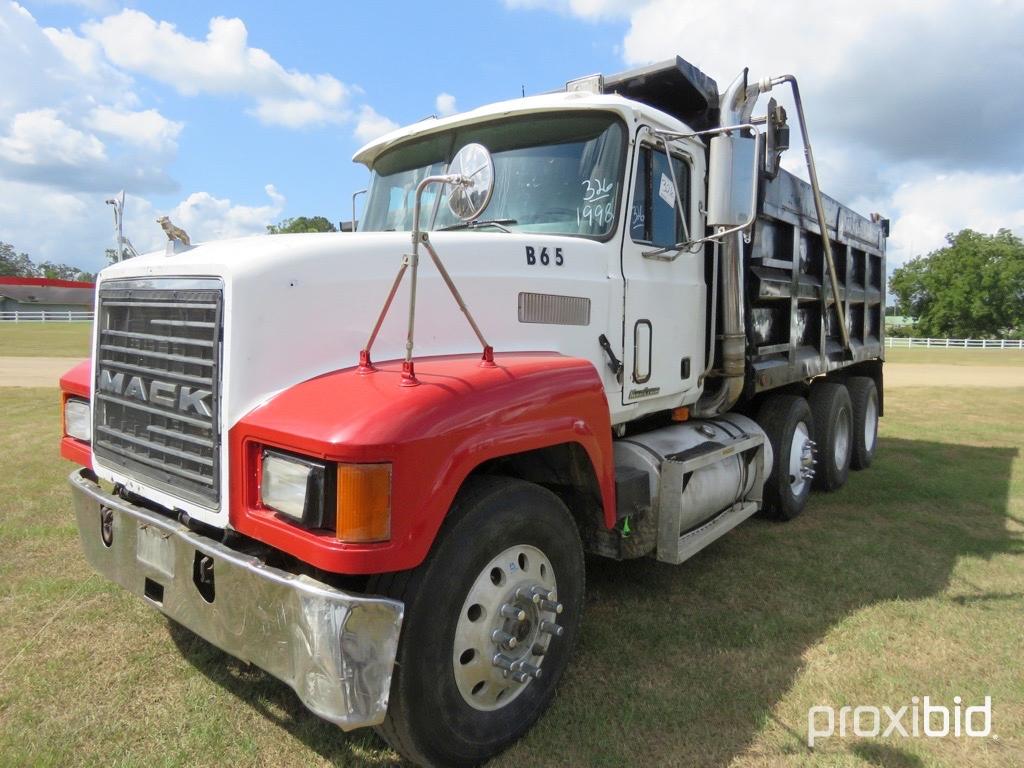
<point x="548" y="605"/>
<point x="531" y="670"/>
<point x="502" y="661"/>
<point x="504" y="638"/>
<point x="510" y="611"/>
<point x="529" y="595"/>
<point x="520" y="677"/>
<point x="545" y="594"/>
<point x="550" y="628"/>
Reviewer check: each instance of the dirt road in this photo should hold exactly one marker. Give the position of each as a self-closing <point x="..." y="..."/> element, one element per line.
<point x="937" y="375"/>
<point x="46" y="371"/>
<point x="33" y="371"/>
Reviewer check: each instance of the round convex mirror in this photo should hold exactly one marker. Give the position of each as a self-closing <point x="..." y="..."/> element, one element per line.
<point x="474" y="162"/>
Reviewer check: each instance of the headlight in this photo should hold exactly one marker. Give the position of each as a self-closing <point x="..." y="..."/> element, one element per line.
<point x="294" y="487"/>
<point x="78" y="419"/>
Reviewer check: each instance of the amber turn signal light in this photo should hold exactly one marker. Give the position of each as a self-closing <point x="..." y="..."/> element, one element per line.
<point x="364" y="503"/>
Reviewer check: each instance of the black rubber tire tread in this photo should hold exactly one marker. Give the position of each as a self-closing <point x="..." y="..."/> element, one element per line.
<point x="862" y="390"/>
<point x="486" y="507"/>
<point x="827" y="399"/>
<point x="778" y="417"/>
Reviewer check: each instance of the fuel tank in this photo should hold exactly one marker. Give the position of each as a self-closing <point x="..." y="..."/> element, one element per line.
<point x="708" y="490"/>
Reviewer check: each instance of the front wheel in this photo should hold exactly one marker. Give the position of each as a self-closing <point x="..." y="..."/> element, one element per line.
<point x="491" y="620"/>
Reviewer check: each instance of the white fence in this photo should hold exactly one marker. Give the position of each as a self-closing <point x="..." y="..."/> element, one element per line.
<point x="893" y="341"/>
<point x="45" y="317"/>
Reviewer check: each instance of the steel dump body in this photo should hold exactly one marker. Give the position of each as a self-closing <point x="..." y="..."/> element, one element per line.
<point x="791" y="336"/>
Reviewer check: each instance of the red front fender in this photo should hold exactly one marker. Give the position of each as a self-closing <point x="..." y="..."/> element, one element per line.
<point x="434" y="434"/>
<point x="75" y="383"/>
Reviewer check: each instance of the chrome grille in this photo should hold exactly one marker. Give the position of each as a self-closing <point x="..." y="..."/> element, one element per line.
<point x="157" y="387"/>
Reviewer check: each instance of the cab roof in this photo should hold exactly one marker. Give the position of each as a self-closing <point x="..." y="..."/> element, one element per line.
<point x="628" y="109"/>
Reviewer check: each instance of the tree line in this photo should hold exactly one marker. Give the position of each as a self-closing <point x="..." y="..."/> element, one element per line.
<point x="20" y="264"/>
<point x="973" y="288"/>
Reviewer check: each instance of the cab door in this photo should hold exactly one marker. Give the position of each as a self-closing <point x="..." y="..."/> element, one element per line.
<point x="663" y="333"/>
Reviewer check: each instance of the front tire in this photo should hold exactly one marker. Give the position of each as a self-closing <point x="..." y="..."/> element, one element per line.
<point x="491" y="619"/>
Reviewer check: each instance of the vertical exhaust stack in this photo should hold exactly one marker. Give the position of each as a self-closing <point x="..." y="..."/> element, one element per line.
<point x="737" y="104"/>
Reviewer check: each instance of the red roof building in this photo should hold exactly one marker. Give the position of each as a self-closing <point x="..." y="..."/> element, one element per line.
<point x="35" y="294"/>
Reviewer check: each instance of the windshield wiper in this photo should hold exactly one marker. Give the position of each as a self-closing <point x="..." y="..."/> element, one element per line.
<point x="499" y="223"/>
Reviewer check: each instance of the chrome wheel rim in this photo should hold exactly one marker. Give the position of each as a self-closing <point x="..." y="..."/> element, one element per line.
<point x="507" y="623"/>
<point x="801" y="459"/>
<point x="870" y="424"/>
<point x="841" y="444"/>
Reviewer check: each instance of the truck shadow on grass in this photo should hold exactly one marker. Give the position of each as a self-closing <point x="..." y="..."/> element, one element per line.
<point x="685" y="665"/>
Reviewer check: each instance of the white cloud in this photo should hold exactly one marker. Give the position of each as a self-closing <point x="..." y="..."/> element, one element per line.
<point x="445" y="104"/>
<point x="932" y="205"/>
<point x="40" y="137"/>
<point x="206" y="217"/>
<point x="73" y="128"/>
<point x="57" y="91"/>
<point x="148" y="128"/>
<point x="222" y="63"/>
<point x="370" y="125"/>
<point x="296" y="113"/>
<point x="910" y="81"/>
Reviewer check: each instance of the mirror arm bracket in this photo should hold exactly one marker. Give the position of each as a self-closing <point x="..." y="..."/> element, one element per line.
<point x="411" y="261"/>
<point x="720" y="233"/>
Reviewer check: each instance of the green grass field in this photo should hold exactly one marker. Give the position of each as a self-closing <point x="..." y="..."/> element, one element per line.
<point x="908" y="582"/>
<point x="45" y="339"/>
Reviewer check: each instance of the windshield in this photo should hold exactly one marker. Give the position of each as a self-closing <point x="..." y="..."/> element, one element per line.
<point x="555" y="173"/>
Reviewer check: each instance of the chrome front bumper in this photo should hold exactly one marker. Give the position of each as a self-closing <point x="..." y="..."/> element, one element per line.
<point x="336" y="650"/>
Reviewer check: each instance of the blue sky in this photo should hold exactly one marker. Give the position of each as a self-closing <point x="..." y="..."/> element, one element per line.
<point x="232" y="115"/>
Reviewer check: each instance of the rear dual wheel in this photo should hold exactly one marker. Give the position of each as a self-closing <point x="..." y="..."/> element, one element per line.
<point x="491" y="619"/>
<point x="864" y="398"/>
<point x="816" y="440"/>
<point x="788" y="422"/>
<point x="833" y="433"/>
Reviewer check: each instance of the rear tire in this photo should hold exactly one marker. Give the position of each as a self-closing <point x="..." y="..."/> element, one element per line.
<point x="450" y="703"/>
<point x="833" y="434"/>
<point x="788" y="422"/>
<point x="864" y="398"/>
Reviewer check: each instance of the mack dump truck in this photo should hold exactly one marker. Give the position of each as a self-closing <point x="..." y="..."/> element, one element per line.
<point x="370" y="462"/>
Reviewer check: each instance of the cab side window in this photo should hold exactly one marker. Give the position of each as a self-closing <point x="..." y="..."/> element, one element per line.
<point x="652" y="217"/>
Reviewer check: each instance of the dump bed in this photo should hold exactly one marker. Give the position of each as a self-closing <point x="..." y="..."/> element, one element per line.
<point x="790" y="334"/>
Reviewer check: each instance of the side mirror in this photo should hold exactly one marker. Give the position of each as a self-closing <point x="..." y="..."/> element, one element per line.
<point x="473" y="162"/>
<point x="732" y="181"/>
